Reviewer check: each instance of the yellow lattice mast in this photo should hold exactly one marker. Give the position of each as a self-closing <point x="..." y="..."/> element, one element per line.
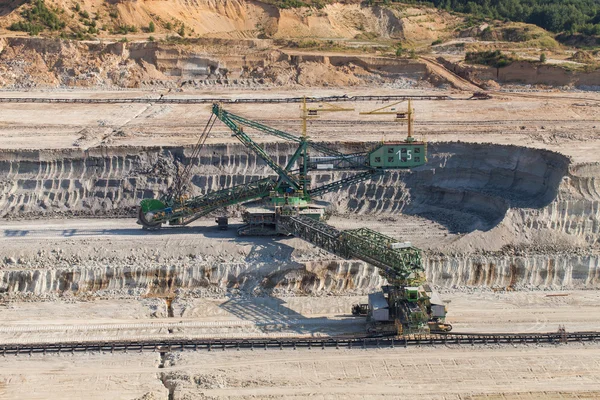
<point x="312" y="113"/>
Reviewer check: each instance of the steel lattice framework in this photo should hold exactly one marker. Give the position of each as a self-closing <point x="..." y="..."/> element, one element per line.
<point x="192" y="209"/>
<point x="398" y="265"/>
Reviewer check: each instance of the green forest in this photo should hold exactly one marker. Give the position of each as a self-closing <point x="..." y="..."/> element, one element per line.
<point x="569" y="16"/>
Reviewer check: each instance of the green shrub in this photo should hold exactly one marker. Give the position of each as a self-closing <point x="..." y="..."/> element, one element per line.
<point x="78" y="34"/>
<point x="286" y="4"/>
<point x="125" y="29"/>
<point x="22" y="26"/>
<point x="174" y="39"/>
<point x="308" y="44"/>
<point x="399" y="50"/>
<point x="151" y="27"/>
<point x="38" y="17"/>
<point x="543" y="57"/>
<point x="492" y="58"/>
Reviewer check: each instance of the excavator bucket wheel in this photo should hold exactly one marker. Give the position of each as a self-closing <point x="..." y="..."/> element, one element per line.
<point x="146" y="211"/>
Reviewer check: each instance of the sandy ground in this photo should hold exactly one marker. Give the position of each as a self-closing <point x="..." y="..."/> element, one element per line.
<point x="544" y="372"/>
<point x="542" y="120"/>
<point x="235" y="316"/>
<point x="110" y="237"/>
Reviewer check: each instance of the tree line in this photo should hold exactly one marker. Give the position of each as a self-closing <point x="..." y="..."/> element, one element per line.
<point x="569" y="16"/>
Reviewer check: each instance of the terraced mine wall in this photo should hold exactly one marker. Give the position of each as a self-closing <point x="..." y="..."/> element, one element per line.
<point x="525" y="72"/>
<point x="558" y="271"/>
<point x="39" y="62"/>
<point x="465" y="187"/>
<point x="160" y="280"/>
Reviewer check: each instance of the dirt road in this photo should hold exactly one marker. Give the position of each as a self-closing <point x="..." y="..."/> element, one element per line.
<point x="448" y="373"/>
<point x="567" y="123"/>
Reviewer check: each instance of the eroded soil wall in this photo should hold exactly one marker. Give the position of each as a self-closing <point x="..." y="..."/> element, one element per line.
<point x="466" y="186"/>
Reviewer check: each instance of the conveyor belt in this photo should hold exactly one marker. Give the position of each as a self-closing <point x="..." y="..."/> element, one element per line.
<point x="363" y="244"/>
<point x="170" y="100"/>
<point x="353" y="342"/>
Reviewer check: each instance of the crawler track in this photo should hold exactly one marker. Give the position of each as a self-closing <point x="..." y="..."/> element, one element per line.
<point x="305" y="343"/>
<point x="166" y="100"/>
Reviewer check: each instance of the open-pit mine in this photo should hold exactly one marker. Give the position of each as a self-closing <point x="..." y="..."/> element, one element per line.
<point x="154" y="243"/>
<point x="294" y="199"/>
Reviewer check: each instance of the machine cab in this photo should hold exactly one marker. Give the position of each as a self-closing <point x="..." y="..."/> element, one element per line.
<point x="404" y="154"/>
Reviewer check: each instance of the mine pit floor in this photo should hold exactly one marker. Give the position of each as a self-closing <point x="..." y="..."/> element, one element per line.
<point x="245" y="316"/>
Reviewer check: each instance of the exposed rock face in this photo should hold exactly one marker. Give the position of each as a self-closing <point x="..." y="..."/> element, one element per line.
<point x="469" y="186"/>
<point x="524" y="72"/>
<point x="311" y="278"/>
<point x="237" y="19"/>
<point x="526" y="270"/>
<point x="576" y="209"/>
<point x="466" y="187"/>
<point x="315" y="278"/>
<point x="51" y="63"/>
<point x="474" y="185"/>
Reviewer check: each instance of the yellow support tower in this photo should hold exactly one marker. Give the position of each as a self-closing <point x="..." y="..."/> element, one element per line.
<point x="401" y="116"/>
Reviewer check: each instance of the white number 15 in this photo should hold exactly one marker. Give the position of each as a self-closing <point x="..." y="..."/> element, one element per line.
<point x="408" y="154"/>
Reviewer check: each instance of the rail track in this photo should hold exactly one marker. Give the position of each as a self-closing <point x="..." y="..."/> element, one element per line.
<point x="429" y="122"/>
<point x="560" y="337"/>
<point x="274" y="100"/>
<point x="280" y="123"/>
<point x="540" y="95"/>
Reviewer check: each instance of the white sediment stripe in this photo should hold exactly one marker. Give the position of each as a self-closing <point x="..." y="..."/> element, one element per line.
<point x="176" y="325"/>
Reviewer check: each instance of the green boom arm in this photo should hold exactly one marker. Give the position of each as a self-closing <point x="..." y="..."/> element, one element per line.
<point x="399" y="265"/>
<point x="238" y="132"/>
<point x="236" y="119"/>
<point x="177" y="212"/>
<point x="192" y="209"/>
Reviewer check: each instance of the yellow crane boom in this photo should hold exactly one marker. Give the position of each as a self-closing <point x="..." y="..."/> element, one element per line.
<point x="313" y="112"/>
<point x="401" y="115"/>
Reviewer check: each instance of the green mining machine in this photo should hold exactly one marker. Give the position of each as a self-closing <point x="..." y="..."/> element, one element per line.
<point x="407" y="305"/>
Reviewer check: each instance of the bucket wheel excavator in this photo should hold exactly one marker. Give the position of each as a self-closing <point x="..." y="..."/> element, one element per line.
<point x="407" y="304"/>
